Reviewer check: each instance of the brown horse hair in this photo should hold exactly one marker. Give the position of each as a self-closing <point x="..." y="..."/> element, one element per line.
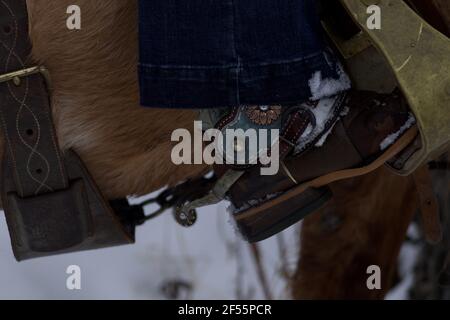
<point x="95" y="99"/>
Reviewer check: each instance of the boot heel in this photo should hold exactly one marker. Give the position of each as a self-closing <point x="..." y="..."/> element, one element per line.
<point x="268" y="220"/>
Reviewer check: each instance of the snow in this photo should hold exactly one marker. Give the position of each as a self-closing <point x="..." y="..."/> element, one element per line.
<point x="209" y="256"/>
<point x="323" y="112"/>
<point x="386" y="143"/>
<point x="324" y="138"/>
<point x="407" y="259"/>
<point x="321" y="88"/>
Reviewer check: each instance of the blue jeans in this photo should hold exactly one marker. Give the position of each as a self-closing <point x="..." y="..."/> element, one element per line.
<point x="222" y="53"/>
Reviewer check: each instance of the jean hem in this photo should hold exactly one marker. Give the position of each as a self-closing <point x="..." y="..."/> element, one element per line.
<point x="195" y="88"/>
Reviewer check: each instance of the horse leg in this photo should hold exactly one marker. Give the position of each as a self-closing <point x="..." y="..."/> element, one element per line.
<point x="365" y="224"/>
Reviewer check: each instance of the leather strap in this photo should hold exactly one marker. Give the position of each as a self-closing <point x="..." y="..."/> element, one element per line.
<point x="27" y="125"/>
<point x="295" y="121"/>
<point x="429" y="205"/>
<point x="324" y="180"/>
<point x="51" y="203"/>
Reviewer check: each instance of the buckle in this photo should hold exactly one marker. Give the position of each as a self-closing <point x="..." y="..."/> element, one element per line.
<point x="49" y="222"/>
<point x="16" y="76"/>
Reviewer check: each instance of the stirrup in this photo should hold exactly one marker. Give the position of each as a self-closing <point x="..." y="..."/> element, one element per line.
<point x="419" y="57"/>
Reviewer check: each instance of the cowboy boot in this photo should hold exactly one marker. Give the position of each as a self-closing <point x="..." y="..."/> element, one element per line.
<point x="361" y="131"/>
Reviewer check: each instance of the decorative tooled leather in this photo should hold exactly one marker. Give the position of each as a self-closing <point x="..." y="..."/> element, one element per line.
<point x="32" y="149"/>
<point x="291" y="123"/>
<point x="262" y="115"/>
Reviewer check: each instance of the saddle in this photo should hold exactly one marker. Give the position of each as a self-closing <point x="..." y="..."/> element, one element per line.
<point x="53" y="206"/>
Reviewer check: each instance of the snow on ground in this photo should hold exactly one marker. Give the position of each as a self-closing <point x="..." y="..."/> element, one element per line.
<point x="407" y="260"/>
<point x="210" y="257"/>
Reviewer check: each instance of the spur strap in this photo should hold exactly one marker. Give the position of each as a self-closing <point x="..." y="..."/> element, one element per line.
<point x="51" y="203"/>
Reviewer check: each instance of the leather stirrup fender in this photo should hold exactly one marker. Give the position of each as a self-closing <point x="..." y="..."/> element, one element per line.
<point x="419" y="56"/>
<point x="51" y="203"/>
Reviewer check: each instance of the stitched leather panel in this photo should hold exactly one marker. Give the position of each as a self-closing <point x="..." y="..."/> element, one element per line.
<point x="31" y="147"/>
<point x="51" y="203"/>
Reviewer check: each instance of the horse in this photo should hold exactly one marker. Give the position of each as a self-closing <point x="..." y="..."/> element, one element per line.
<point x="95" y="99"/>
<point x="126" y="148"/>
